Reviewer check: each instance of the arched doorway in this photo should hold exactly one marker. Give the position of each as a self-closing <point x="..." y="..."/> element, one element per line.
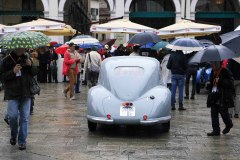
<point x="153" y="13"/>
<point x="13" y="12"/>
<point x="222" y="12"/>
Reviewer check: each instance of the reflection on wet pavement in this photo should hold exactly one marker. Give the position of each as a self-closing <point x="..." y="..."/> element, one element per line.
<point x="58" y="130"/>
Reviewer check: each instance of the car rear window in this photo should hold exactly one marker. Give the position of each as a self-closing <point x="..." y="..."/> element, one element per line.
<point x="129" y="71"/>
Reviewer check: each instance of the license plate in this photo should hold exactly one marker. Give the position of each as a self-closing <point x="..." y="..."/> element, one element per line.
<point x="127" y="111"/>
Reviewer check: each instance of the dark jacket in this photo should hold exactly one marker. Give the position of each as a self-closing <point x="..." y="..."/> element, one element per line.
<point x="16" y="86"/>
<point x="226" y="92"/>
<point x="52" y="57"/>
<point x="177" y="63"/>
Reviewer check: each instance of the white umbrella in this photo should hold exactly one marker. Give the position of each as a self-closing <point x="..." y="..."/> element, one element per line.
<point x="35" y="25"/>
<point x="120" y="26"/>
<point x="84" y="39"/>
<point x="187" y="28"/>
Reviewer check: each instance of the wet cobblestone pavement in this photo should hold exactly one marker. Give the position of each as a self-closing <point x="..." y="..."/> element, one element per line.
<point x="58" y="130"/>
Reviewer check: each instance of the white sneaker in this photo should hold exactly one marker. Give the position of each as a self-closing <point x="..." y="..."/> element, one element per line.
<point x="73" y="98"/>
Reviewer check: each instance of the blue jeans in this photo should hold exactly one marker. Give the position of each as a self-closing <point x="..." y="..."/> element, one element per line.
<point x="177" y="81"/>
<point x="20" y="107"/>
<point x="77" y="86"/>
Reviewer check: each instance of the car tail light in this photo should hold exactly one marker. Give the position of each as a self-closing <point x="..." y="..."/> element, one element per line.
<point x="145" y="117"/>
<point x="108" y="116"/>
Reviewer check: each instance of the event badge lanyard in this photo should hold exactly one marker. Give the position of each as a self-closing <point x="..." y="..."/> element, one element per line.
<point x="214" y="89"/>
<point x="18" y="74"/>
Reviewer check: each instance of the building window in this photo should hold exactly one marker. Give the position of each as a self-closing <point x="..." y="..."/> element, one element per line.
<point x="152" y="6"/>
<point x="94" y="13"/>
<point x="215" y="5"/>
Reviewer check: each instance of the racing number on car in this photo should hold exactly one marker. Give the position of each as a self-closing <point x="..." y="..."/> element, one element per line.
<point x="127" y="111"/>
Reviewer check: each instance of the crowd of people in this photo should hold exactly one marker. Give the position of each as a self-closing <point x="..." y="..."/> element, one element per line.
<point x="176" y="72"/>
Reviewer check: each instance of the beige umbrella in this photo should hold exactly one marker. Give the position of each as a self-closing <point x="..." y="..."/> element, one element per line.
<point x="66" y="31"/>
<point x="120" y="26"/>
<point x="187" y="28"/>
<point x="35" y="25"/>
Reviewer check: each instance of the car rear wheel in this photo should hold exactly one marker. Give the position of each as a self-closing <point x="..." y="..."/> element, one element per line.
<point x="166" y="126"/>
<point x="92" y="126"/>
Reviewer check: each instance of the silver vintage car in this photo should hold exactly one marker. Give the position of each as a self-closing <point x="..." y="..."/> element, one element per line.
<point x="129" y="93"/>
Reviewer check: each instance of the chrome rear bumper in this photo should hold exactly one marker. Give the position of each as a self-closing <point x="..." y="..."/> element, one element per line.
<point x="152" y="121"/>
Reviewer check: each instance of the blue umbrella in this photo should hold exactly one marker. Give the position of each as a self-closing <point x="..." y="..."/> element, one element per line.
<point x="159" y="45"/>
<point x="148" y="45"/>
<point x="90" y="45"/>
<point x="144" y="38"/>
<point x="185" y="44"/>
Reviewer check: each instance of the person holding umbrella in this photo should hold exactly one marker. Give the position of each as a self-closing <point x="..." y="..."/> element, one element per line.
<point x="17" y="72"/>
<point x="220" y="98"/>
<point x="221" y="89"/>
<point x="16" y="69"/>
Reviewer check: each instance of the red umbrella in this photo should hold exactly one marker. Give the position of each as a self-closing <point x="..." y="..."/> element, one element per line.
<point x="62" y="49"/>
<point x="52" y="43"/>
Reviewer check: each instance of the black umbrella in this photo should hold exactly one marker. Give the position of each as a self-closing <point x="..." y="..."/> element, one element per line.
<point x="231" y="40"/>
<point x="185" y="44"/>
<point x="144" y="38"/>
<point x="213" y="53"/>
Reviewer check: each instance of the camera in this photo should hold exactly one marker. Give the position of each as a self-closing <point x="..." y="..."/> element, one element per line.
<point x="22" y="60"/>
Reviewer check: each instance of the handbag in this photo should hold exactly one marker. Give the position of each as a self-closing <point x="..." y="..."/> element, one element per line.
<point x="212" y="99"/>
<point x="34" y="87"/>
<point x="93" y="67"/>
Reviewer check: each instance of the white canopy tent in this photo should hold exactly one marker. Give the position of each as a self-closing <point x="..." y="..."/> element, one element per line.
<point x="187" y="28"/>
<point x="120" y="26"/>
<point x="35" y="25"/>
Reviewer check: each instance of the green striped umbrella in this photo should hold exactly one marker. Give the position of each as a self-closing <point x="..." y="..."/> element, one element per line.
<point x="25" y="39"/>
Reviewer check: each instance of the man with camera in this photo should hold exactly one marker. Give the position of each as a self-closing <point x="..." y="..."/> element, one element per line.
<point x="16" y="72"/>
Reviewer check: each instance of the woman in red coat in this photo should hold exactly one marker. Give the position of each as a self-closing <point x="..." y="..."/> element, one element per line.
<point x="70" y="69"/>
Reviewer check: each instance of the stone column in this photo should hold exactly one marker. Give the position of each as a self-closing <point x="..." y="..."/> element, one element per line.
<point x="188" y="9"/>
<point x="178" y="16"/>
<point x="60" y="16"/>
<point x="54" y="14"/>
<point x="183" y="11"/>
<point x="192" y="15"/>
<point x="53" y="9"/>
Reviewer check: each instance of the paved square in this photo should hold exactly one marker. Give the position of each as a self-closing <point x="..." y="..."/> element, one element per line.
<point x="58" y="130"/>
